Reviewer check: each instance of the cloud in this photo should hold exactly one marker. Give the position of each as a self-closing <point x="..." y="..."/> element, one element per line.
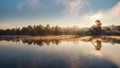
<point x="72" y="6"/>
<point x="31" y="4"/>
<point x="108" y="17"/>
<point x="115" y="10"/>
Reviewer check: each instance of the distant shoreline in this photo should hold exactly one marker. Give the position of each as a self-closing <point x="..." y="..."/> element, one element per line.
<point x="38" y="37"/>
<point x="54" y="37"/>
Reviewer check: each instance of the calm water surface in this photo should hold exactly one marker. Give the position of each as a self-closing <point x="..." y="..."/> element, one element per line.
<point x="53" y="53"/>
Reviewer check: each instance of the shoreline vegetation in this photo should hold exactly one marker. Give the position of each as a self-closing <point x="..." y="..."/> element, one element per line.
<point x="39" y="30"/>
<point x="56" y="30"/>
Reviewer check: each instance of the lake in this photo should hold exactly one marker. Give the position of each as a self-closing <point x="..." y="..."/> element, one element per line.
<point x="59" y="52"/>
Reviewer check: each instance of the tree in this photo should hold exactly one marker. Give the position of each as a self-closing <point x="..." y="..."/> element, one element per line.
<point x="96" y="29"/>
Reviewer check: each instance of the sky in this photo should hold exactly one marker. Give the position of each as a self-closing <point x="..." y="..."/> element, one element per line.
<point x="80" y="13"/>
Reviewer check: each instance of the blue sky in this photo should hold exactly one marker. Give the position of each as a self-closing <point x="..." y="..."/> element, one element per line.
<point x="57" y="12"/>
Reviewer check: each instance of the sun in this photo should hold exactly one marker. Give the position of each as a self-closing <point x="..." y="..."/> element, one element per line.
<point x="94" y="17"/>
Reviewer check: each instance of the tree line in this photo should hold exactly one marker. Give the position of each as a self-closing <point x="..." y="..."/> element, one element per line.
<point x="105" y="30"/>
<point x="41" y="30"/>
<point x="57" y="30"/>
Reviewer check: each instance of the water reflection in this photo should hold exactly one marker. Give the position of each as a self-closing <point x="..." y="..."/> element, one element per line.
<point x="97" y="44"/>
<point x="96" y="41"/>
<point x="73" y="52"/>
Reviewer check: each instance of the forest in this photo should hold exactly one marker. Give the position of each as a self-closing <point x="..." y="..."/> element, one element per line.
<point x="40" y="30"/>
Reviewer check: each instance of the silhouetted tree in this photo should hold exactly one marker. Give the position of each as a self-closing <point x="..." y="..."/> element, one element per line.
<point x="96" y="29"/>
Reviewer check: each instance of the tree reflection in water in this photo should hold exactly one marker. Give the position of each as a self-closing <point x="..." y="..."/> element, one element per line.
<point x="41" y="42"/>
<point x="96" y="41"/>
<point x="97" y="44"/>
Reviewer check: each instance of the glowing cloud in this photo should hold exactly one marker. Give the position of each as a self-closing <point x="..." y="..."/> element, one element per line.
<point x="73" y="6"/>
<point x="109" y="16"/>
